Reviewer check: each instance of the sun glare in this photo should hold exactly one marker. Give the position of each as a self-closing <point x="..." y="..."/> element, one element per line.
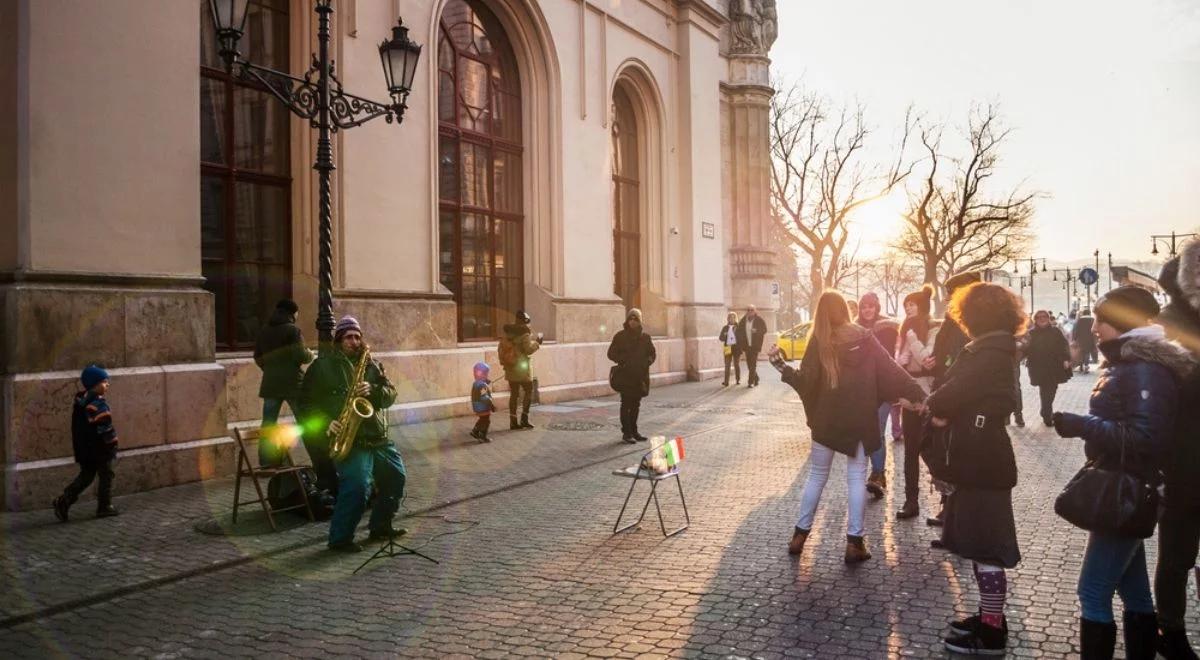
<point x="880" y="219"/>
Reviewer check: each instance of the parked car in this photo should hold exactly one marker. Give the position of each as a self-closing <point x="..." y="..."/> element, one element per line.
<point x="793" y="342"/>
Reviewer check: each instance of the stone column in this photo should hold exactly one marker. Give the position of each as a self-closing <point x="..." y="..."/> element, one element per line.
<point x="747" y="98"/>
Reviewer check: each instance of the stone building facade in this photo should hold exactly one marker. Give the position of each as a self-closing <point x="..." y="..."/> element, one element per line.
<point x="569" y="157"/>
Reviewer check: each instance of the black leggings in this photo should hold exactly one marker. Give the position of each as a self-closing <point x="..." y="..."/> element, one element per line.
<point x="1047" y="393"/>
<point x="912" y="425"/>
<point x="631" y="405"/>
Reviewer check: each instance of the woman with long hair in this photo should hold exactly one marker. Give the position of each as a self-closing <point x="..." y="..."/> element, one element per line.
<point x="843" y="378"/>
<point x="914" y="352"/>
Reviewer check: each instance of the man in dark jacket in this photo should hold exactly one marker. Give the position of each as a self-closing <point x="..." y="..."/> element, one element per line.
<point x="515" y="354"/>
<point x="373" y="456"/>
<point x="1048" y="358"/>
<point x="279" y="351"/>
<point x="751" y="331"/>
<point x="1179" y="524"/>
<point x="1085" y="343"/>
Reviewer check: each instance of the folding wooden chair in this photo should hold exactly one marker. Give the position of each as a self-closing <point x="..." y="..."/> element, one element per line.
<point x="246" y="468"/>
<point x="642" y="473"/>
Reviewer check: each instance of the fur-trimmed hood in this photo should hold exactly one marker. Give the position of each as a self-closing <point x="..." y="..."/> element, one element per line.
<point x="850" y="333"/>
<point x="1150" y="345"/>
<point x="1188" y="278"/>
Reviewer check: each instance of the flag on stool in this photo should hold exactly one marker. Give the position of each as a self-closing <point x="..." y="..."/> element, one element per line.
<point x="673" y="449"/>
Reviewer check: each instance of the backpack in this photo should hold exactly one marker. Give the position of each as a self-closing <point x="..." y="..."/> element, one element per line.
<point x="507" y="352"/>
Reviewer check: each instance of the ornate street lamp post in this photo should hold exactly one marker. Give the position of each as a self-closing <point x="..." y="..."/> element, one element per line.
<point x="1032" y="273"/>
<point x="319" y="98"/>
<point x="1154" y="239"/>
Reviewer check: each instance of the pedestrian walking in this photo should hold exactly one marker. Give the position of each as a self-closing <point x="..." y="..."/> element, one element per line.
<point x="481" y="402"/>
<point x="1018" y="396"/>
<point x="1048" y="360"/>
<point x="843" y="376"/>
<point x="94" y="440"/>
<point x="886" y="330"/>
<point x="751" y="331"/>
<point x="972" y="402"/>
<point x="918" y="335"/>
<point x="633" y="352"/>
<point x="729" y="346"/>
<point x="1085" y="343"/>
<point x="1129" y="427"/>
<point x="515" y="353"/>
<point x="279" y="351"/>
<point x="1179" y="523"/>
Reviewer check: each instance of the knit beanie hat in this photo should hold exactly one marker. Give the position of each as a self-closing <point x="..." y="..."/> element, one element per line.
<point x="482" y="368"/>
<point x="347" y="324"/>
<point x="92" y="375"/>
<point x="959" y="280"/>
<point x="869" y="298"/>
<point x="634" y="312"/>
<point x="288" y="305"/>
<point x="1127" y="307"/>
<point x="922" y="299"/>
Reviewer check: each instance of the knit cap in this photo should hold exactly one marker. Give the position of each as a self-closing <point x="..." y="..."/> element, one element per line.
<point x="959" y="280"/>
<point x="345" y="325"/>
<point x="92" y="375"/>
<point x="921" y="298"/>
<point x="482" y="368"/>
<point x="1127" y="307"/>
<point x="634" y="313"/>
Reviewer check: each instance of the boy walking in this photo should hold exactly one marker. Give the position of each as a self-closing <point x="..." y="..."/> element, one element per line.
<point x="481" y="402"/>
<point x="95" y="443"/>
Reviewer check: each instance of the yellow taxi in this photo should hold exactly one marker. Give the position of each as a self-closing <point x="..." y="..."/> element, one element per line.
<point x="793" y="342"/>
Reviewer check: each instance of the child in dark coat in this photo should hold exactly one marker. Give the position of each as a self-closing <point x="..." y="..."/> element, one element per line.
<point x="481" y="402"/>
<point x="95" y="444"/>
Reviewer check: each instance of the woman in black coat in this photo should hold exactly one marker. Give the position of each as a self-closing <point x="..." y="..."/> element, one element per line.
<point x="843" y="379"/>
<point x="976" y="457"/>
<point x="1048" y="358"/>
<point x="633" y="352"/>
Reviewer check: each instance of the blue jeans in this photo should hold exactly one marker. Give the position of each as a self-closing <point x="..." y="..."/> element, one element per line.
<point x="386" y="468"/>
<point x="879" y="456"/>
<point x="1113" y="564"/>
<point x="270" y="453"/>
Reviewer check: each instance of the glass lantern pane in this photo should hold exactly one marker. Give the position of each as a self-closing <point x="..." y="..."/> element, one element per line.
<point x="260" y="132"/>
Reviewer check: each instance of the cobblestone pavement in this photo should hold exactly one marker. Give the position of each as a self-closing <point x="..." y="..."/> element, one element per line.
<point x="523" y="530"/>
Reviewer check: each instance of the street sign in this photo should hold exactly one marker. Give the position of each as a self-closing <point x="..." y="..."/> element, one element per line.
<point x="1088" y="276"/>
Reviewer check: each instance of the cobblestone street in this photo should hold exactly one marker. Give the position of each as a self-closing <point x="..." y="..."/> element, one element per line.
<point x="541" y="574"/>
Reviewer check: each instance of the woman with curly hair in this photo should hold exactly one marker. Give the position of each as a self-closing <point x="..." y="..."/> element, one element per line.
<point x="978" y="468"/>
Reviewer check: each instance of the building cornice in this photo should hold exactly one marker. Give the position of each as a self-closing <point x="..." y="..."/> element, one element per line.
<point x="703" y="9"/>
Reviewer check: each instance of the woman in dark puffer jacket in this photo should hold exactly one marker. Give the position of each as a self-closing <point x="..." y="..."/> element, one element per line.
<point x="1132" y="413"/>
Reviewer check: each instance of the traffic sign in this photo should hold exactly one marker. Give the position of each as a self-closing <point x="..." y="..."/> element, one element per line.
<point x="1088" y="276"/>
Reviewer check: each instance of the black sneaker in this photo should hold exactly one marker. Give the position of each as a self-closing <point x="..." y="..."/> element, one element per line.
<point x="639" y="437"/>
<point x="525" y="423"/>
<point x="385" y="534"/>
<point x="972" y="622"/>
<point x="934" y="521"/>
<point x="484" y="438"/>
<point x="107" y="511"/>
<point x="983" y="640"/>
<point x="61" y="507"/>
<point x="628" y="438"/>
<point x="346" y="547"/>
<point x="475" y="434"/>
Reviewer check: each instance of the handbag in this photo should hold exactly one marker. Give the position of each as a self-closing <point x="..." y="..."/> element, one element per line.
<point x="935" y="449"/>
<point x="1108" y="501"/>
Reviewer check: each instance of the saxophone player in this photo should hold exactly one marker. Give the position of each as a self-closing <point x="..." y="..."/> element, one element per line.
<point x="326" y="391"/>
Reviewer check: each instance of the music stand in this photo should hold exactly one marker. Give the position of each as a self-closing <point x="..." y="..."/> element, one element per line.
<point x="393" y="549"/>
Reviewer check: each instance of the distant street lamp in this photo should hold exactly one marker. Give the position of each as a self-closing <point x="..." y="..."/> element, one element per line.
<point x="1154" y="239"/>
<point x="1032" y="273"/>
<point x="319" y="98"/>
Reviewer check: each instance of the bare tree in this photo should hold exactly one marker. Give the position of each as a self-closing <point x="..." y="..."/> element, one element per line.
<point x="894" y="275"/>
<point x="820" y="175"/>
<point x="955" y="222"/>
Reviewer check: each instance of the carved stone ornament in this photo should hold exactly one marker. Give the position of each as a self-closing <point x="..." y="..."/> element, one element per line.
<point x="753" y="26"/>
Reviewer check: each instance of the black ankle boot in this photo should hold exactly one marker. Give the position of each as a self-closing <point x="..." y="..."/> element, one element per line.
<point x="513" y="424"/>
<point x="525" y="422"/>
<point x="1141" y="636"/>
<point x="1096" y="640"/>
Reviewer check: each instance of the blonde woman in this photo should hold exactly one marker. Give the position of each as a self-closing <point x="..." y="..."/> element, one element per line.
<point x="844" y="376"/>
<point x="729" y="344"/>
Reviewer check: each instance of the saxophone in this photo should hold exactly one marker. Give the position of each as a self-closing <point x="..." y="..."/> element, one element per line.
<point x="355" y="410"/>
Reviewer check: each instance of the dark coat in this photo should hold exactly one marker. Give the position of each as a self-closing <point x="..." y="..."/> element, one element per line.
<point x="1081" y="334"/>
<point x="724" y="337"/>
<point x="279" y="351"/>
<point x="524" y="345"/>
<point x="1181" y="320"/>
<point x="947" y="345"/>
<point x="1133" y="405"/>
<point x="976" y="396"/>
<point x="324" y="392"/>
<point x="93" y="436"/>
<point x="634" y="353"/>
<point x="886" y="330"/>
<point x="1046" y="350"/>
<point x="841" y="418"/>
<point x="750" y="335"/>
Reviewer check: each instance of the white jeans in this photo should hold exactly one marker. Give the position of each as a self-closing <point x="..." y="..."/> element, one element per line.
<point x="819" y="462"/>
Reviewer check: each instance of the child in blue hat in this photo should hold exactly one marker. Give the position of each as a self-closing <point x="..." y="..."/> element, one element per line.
<point x="481" y="402"/>
<point x="95" y="443"/>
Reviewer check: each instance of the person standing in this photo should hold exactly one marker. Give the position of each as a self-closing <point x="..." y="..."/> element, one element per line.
<point x="918" y="334"/>
<point x="279" y="351"/>
<point x="1048" y="359"/>
<point x="751" y="331"/>
<point x="729" y="346"/>
<point x="481" y="402"/>
<point x="1129" y="427"/>
<point x="1179" y="522"/>
<point x="843" y="376"/>
<point x="1085" y="343"/>
<point x="515" y="353"/>
<point x="973" y="400"/>
<point x="373" y="457"/>
<point x="633" y="352"/>
<point x="94" y="440"/>
<point x="886" y="331"/>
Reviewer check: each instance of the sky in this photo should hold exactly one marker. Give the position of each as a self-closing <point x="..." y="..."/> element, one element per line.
<point x="1103" y="97"/>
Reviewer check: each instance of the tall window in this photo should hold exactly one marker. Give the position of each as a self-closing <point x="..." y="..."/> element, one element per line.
<point x="479" y="176"/>
<point x="245" y="182"/>
<point x="626" y="190"/>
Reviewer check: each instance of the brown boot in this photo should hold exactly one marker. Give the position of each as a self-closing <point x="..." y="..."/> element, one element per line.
<point x="910" y="510"/>
<point x="856" y="550"/>
<point x="796" y="545"/>
<point x="876" y="484"/>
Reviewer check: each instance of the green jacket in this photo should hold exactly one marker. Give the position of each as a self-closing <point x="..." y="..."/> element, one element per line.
<point x="323" y="394"/>
<point x="525" y="345"/>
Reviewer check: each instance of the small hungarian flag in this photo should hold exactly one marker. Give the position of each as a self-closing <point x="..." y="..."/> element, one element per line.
<point x="673" y="450"/>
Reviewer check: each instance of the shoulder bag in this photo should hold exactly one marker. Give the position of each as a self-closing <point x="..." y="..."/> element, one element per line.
<point x="1108" y="501"/>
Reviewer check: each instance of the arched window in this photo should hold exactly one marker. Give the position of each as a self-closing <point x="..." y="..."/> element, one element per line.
<point x="626" y="190"/>
<point x="479" y="175"/>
